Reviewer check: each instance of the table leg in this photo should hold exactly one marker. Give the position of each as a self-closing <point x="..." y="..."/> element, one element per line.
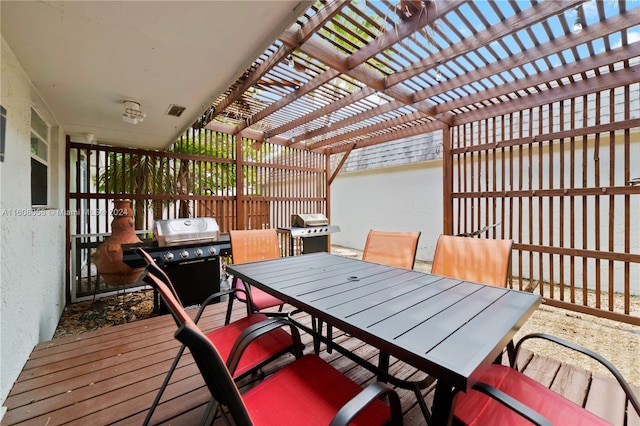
<point x="383" y="364"/>
<point x="316" y="324"/>
<point x="442" y="402"/>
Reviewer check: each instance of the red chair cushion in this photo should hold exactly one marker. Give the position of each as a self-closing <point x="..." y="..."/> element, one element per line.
<point x="259" y="351"/>
<point x="476" y="408"/>
<point x="261" y="299"/>
<point x="308" y="391"/>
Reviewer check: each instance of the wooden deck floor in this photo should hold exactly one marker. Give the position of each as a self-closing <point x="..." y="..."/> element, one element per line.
<point x="111" y="376"/>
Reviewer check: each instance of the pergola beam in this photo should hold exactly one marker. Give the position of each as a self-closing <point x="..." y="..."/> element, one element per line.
<point x="303" y="34"/>
<point x="579" y="88"/>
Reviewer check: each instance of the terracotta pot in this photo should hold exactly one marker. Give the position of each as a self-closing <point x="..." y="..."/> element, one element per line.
<point x="108" y="255"/>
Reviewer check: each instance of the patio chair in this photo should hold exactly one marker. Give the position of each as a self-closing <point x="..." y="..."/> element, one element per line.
<point x="307" y="391"/>
<point x="480" y="260"/>
<point x="505" y="396"/>
<point x="391" y="248"/>
<point x="251" y="246"/>
<point x="267" y="348"/>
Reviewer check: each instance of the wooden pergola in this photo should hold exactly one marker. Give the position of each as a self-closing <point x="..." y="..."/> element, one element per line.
<point x="537" y="103"/>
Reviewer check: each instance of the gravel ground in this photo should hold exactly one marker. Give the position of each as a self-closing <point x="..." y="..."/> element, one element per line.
<point x="105" y="312"/>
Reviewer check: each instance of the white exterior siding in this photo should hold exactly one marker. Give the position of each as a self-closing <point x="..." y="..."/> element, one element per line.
<point x="32" y="256"/>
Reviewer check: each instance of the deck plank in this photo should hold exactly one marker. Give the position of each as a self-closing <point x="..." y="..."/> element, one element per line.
<point x="633" y="417"/>
<point x="572" y="382"/>
<point x="606" y="399"/>
<point x="111" y="376"/>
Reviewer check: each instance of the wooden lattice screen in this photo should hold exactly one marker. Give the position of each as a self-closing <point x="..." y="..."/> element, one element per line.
<point x="242" y="183"/>
<point x="560" y="181"/>
<point x="201" y="175"/>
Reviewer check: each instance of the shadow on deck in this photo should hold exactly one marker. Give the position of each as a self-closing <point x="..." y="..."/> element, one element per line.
<point x="111" y="376"/>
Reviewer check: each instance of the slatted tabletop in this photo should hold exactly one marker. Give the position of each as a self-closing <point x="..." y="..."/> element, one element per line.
<point x="445" y="327"/>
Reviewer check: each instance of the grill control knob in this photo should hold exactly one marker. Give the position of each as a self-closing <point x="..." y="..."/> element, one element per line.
<point x="168" y="257"/>
<point x="212" y="250"/>
<point x="184" y="254"/>
<point x="198" y="252"/>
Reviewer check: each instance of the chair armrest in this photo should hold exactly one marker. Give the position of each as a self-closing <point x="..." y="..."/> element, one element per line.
<point x="254" y="331"/>
<point x="368" y="395"/>
<point x="215" y="295"/>
<point x="512" y="404"/>
<point x="631" y="397"/>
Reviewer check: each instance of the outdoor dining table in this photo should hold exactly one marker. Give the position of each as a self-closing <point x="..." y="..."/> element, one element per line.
<point x="447" y="328"/>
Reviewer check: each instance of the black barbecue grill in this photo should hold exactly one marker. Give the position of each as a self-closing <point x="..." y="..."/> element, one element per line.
<point x="188" y="250"/>
<point x="308" y="233"/>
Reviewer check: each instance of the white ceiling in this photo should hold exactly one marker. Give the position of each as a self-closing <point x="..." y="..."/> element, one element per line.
<point x="85" y="58"/>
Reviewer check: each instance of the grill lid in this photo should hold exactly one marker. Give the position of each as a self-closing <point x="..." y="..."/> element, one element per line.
<point x="172" y="232"/>
<point x="309" y="219"/>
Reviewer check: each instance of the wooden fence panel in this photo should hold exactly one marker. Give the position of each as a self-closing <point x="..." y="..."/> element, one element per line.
<point x="561" y="180"/>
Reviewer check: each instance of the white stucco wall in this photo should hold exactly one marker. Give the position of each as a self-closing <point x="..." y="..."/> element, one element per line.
<point x="409" y="198"/>
<point x="401" y="198"/>
<point x="32" y="255"/>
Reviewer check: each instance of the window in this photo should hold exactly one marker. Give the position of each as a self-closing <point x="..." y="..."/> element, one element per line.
<point x="39" y="160"/>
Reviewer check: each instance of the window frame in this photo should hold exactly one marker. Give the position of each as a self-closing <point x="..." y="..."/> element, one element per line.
<point x="38" y="157"/>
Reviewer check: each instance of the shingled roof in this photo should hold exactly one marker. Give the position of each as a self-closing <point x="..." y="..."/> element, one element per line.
<point x="405" y="151"/>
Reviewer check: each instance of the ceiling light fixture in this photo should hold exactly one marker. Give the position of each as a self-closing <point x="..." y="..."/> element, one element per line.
<point x="89" y="137"/>
<point x="132" y="113"/>
<point x="577" y="24"/>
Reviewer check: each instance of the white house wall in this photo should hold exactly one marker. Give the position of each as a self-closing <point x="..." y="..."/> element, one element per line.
<point x="399" y="198"/>
<point x="32" y="255"/>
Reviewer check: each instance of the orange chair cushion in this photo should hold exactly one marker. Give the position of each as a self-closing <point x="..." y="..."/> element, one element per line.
<point x="259" y="351"/>
<point x="309" y="392"/>
<point x="475" y="408"/>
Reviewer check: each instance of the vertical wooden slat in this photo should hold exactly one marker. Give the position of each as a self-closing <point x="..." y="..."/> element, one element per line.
<point x="520" y="203"/>
<point x="67" y="206"/>
<point x="572" y="203"/>
<point x="503" y="176"/>
<point x="532" y="189"/>
<point x="627" y="199"/>
<point x="561" y="184"/>
<point x="459" y="183"/>
<point x="78" y="173"/>
<point x="540" y="198"/>
<point x="131" y="181"/>
<point x="585" y="164"/>
<point x="447" y="177"/>
<point x="464" y="185"/>
<point x="489" y="204"/>
<point x="550" y="214"/>
<point x="240" y="211"/>
<point x="474" y="179"/>
<point x="596" y="170"/>
<point x="612" y="205"/>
